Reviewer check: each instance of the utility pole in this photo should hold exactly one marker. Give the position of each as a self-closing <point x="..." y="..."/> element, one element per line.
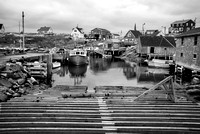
<point x="23" y="30"/>
<point x="20" y="41"/>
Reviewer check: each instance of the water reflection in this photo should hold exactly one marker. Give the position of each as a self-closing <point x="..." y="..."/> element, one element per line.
<point x="77" y="73"/>
<point x="108" y="72"/>
<point x="130" y="71"/>
<point x="61" y="71"/>
<point x="99" y="64"/>
<point x="145" y="74"/>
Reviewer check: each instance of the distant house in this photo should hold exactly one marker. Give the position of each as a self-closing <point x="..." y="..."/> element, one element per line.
<point x="77" y="33"/>
<point x="45" y="30"/>
<point x="156" y="47"/>
<point x="115" y="36"/>
<point x="100" y="34"/>
<point x="152" y="32"/>
<point x="132" y="37"/>
<point x="2" y="29"/>
<point x="181" y="26"/>
<point x="188" y="49"/>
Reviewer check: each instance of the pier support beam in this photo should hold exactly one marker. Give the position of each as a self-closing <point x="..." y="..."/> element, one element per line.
<point x="49" y="68"/>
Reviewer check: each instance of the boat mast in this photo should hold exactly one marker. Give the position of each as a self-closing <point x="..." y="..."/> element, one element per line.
<point x="23" y="29"/>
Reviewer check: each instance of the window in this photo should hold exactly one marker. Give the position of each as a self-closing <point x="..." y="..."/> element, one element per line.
<point x="182" y="41"/>
<point x="181" y="54"/>
<point x="194" y="56"/>
<point x="195" y="40"/>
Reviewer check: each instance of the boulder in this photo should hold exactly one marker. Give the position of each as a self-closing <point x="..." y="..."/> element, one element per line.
<point x="3" y="97"/>
<point x="16" y="95"/>
<point x="21" y="81"/>
<point x="5" y="82"/>
<point x="21" y="91"/>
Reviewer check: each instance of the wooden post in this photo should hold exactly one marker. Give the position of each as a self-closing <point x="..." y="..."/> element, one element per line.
<point x="49" y="68"/>
<point x="170" y="91"/>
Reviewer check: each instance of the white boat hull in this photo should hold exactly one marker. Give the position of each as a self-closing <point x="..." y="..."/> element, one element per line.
<point x="158" y="63"/>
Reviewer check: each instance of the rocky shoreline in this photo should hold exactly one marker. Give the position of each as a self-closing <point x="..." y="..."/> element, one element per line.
<point x="15" y="81"/>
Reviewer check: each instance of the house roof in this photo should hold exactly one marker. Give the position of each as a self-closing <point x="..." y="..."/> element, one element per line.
<point x="195" y="31"/>
<point x="1" y="25"/>
<point x="79" y="29"/>
<point x="135" y="33"/>
<point x="44" y="29"/>
<point x="101" y="29"/>
<point x="152" y="32"/>
<point x="157" y="41"/>
<point x="181" y="21"/>
<point x="116" y="34"/>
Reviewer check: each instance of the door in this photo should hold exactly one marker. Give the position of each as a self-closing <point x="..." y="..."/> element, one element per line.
<point x="151" y="49"/>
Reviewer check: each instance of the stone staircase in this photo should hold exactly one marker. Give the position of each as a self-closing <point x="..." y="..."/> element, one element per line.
<point x="99" y="113"/>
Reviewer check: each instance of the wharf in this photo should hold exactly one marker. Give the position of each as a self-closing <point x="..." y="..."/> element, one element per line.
<point x="106" y="109"/>
<point x="3" y="59"/>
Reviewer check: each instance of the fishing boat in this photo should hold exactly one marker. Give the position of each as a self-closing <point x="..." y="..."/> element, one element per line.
<point x="78" y="56"/>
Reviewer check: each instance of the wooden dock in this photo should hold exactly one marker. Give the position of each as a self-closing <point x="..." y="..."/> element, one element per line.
<point x="109" y="109"/>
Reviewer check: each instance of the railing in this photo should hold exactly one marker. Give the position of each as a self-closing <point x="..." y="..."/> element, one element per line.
<point x="166" y="84"/>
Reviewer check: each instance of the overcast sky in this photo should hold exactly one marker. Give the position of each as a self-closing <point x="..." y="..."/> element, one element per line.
<point x="113" y="15"/>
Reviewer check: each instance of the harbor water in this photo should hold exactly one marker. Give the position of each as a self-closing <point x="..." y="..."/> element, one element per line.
<point x="108" y="72"/>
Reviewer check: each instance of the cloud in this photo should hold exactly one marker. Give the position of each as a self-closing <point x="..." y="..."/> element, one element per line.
<point x="114" y="15"/>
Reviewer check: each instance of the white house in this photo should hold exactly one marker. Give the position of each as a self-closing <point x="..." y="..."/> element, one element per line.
<point x="77" y="33"/>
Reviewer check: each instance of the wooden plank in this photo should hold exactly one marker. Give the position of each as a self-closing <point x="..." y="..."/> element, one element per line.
<point x="154" y="87"/>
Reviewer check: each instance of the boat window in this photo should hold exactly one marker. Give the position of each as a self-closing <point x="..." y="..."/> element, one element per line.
<point x="82" y="52"/>
<point x="77" y="52"/>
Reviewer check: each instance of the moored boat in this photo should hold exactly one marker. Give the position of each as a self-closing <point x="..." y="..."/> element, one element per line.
<point x="78" y="56"/>
<point x="159" y="63"/>
<point x="56" y="65"/>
